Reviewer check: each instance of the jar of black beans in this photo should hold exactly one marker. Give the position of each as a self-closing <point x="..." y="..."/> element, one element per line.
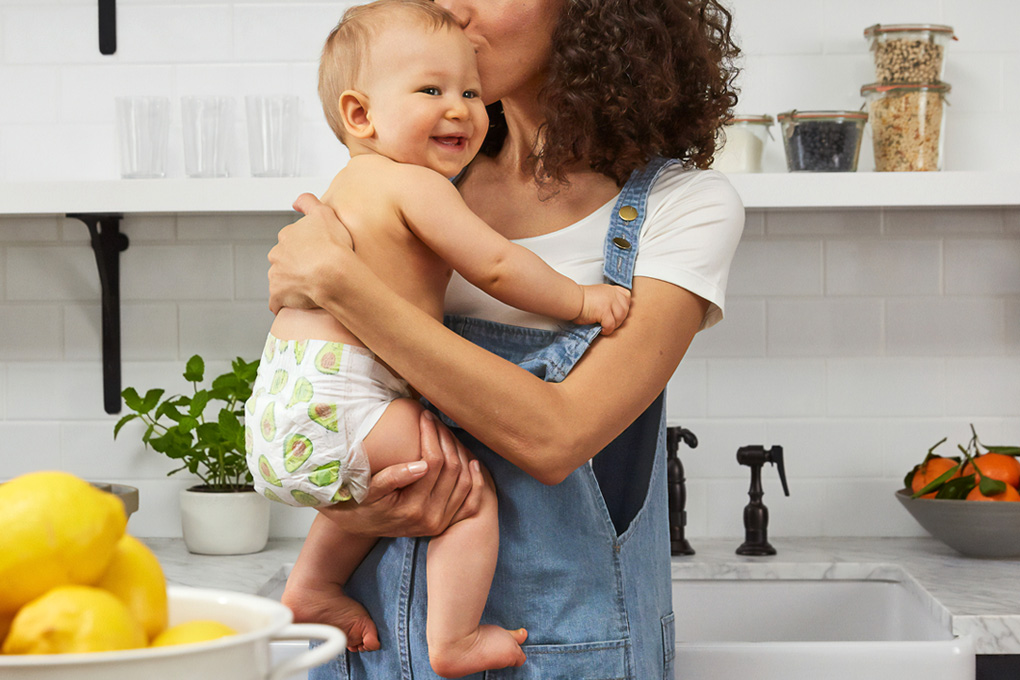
<point x="822" y="141"/>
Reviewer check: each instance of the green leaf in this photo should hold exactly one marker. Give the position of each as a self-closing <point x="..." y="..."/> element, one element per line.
<point x="991" y="487"/>
<point x="1006" y="450"/>
<point x="956" y="488"/>
<point x="187" y="424"/>
<point x="122" y="422"/>
<point x="170" y="411"/>
<point x="937" y="482"/>
<point x="198" y="403"/>
<point x="151" y="399"/>
<point x="131" y="399"/>
<point x="195" y="370"/>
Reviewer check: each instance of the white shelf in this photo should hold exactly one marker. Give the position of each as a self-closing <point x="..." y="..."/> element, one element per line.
<point x="878" y="189"/>
<point x="133" y="196"/>
<point x="759" y="192"/>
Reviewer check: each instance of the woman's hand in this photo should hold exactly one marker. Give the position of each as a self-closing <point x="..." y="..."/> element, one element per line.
<point x="420" y="498"/>
<point x="308" y="255"/>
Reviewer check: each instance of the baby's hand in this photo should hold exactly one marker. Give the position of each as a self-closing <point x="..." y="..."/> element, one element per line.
<point x="604" y="304"/>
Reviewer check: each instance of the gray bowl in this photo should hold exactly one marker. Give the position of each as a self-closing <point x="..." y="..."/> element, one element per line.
<point x="974" y="528"/>
<point x="128" y="495"/>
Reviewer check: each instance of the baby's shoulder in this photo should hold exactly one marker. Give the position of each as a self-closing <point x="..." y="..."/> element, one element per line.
<point x="384" y="175"/>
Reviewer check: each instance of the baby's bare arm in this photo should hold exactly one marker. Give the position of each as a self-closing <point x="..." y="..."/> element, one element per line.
<point x="432" y="208"/>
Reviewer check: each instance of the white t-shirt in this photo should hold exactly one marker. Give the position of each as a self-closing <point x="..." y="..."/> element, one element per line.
<point x="694" y="222"/>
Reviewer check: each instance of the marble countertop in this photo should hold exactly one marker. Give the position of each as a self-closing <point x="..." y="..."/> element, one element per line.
<point x="981" y="597"/>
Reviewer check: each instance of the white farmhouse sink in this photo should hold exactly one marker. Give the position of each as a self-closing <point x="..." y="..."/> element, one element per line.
<point x="772" y="629"/>
<point x="881" y="625"/>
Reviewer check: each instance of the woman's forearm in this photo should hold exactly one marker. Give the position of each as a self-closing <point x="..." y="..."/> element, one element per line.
<point x="546" y="429"/>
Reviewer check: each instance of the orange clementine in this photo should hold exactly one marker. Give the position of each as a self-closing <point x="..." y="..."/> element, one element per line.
<point x="929" y="471"/>
<point x="996" y="466"/>
<point x="1010" y="494"/>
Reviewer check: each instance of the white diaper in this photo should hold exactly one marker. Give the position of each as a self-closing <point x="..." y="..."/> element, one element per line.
<point x="312" y="405"/>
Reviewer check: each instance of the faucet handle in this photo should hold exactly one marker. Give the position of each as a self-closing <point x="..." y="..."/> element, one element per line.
<point x="775" y="455"/>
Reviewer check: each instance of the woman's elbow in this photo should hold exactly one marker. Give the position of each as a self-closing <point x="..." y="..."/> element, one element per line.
<point x="552" y="464"/>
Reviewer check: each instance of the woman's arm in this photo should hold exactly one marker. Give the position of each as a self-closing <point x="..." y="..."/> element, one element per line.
<point x="546" y="429"/>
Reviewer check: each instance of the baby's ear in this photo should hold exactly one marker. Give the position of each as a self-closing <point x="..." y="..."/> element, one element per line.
<point x="354" y="113"/>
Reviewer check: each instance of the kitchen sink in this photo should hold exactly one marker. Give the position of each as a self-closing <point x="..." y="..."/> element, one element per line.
<point x="882" y="626"/>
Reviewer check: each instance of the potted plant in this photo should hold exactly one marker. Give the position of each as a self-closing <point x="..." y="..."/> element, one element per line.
<point x="223" y="515"/>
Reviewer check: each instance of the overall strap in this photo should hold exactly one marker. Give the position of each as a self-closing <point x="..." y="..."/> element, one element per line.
<point x="625" y="225"/>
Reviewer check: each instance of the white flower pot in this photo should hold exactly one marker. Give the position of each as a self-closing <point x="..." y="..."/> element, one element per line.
<point x="224" y="523"/>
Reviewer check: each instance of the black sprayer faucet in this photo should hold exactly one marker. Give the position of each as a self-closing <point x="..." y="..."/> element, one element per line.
<point x="677" y="490"/>
<point x="756" y="515"/>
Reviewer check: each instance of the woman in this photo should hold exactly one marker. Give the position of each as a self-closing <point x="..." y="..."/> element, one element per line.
<point x="588" y="91"/>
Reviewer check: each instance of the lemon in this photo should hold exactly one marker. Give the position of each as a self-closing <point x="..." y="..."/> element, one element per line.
<point x="5" y="625"/>
<point x="192" y="631"/>
<point x="135" y="577"/>
<point x="71" y="619"/>
<point x="57" y="530"/>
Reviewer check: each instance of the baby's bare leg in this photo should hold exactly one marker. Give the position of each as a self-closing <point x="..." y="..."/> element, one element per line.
<point x="315" y="592"/>
<point x="330" y="555"/>
<point x="461" y="562"/>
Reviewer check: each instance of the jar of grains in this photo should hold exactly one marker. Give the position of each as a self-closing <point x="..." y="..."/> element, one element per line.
<point x="822" y="141"/>
<point x="909" y="53"/>
<point x="741" y="143"/>
<point x="907" y="121"/>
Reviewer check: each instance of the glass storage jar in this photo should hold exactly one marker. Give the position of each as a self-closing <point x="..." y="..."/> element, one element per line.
<point x="822" y="141"/>
<point x="909" y="53"/>
<point x="907" y="124"/>
<point x="741" y="143"/>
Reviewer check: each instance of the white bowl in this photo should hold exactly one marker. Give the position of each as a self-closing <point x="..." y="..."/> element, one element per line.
<point x="244" y="656"/>
<point x="974" y="528"/>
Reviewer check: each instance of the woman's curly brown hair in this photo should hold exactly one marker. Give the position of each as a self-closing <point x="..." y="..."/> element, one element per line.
<point x="633" y="79"/>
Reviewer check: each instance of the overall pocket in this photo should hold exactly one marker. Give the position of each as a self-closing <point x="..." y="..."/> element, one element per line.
<point x="584" y="661"/>
<point x="668" y="645"/>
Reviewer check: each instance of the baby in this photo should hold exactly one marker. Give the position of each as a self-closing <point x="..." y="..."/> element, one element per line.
<point x="400" y="88"/>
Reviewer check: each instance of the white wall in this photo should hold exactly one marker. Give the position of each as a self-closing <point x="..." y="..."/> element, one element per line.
<point x="856" y="339"/>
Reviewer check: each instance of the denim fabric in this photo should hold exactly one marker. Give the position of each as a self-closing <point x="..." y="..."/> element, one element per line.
<point x="583" y="565"/>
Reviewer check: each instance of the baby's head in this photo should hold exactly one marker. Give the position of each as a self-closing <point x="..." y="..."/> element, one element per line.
<point x="399" y="78"/>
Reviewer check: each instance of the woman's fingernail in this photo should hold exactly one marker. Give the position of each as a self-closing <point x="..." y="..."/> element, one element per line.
<point x="417" y="467"/>
<point x="476" y="466"/>
<point x="428" y="415"/>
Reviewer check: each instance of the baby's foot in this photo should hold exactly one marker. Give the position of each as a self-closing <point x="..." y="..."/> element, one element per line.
<point x="488" y="648"/>
<point x="335" y="608"/>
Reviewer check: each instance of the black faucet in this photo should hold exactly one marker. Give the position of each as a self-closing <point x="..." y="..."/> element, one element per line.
<point x="756" y="515"/>
<point x="678" y="543"/>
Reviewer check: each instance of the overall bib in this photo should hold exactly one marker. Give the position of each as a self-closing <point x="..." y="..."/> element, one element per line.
<point x="583" y="565"/>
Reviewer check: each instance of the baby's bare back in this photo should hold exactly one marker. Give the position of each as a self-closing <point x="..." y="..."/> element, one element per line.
<point x="366" y="197"/>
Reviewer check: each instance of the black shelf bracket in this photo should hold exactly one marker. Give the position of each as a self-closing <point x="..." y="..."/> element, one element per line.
<point x="107" y="244"/>
<point x="107" y="26"/>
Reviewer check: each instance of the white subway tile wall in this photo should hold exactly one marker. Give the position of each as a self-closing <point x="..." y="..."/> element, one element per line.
<point x="854" y="338"/>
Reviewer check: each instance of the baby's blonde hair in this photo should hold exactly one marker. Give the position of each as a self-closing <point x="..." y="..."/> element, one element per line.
<point x="347" y="47"/>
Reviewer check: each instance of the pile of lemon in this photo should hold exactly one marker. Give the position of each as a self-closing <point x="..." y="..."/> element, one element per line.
<point x="71" y="579"/>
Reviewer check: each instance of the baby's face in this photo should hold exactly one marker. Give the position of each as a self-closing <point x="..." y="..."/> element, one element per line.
<point x="424" y="97"/>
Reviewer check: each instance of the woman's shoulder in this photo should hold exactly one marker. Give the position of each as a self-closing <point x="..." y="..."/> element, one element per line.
<point x="678" y="181"/>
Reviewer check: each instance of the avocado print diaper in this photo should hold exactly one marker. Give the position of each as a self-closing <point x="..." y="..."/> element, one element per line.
<point x="312" y="405"/>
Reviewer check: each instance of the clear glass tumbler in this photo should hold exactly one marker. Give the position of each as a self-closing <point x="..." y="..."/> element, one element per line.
<point x="208" y="128"/>
<point x="274" y="123"/>
<point x="143" y="133"/>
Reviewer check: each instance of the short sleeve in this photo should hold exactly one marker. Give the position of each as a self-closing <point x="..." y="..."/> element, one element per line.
<point x="695" y="220"/>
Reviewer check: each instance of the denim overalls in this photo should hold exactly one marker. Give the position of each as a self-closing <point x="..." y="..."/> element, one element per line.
<point x="583" y="565"/>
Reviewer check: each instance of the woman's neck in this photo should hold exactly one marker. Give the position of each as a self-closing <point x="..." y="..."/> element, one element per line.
<point x="524" y="120"/>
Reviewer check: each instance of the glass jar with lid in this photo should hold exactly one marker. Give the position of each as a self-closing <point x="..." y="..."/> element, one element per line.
<point x="741" y="143"/>
<point x="909" y="53"/>
<point x="822" y="141"/>
<point x="907" y="125"/>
